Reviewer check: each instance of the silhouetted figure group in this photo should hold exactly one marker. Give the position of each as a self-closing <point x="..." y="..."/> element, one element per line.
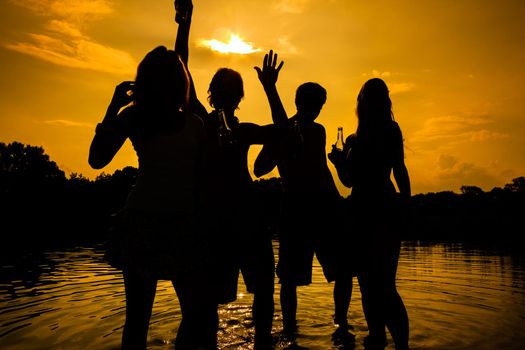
<point x="193" y="215"/>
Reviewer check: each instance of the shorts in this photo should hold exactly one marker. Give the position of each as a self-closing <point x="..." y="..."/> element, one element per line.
<point x="308" y="227"/>
<point x="242" y="245"/>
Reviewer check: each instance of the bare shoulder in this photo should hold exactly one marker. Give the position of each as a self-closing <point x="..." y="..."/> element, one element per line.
<point x="318" y="128"/>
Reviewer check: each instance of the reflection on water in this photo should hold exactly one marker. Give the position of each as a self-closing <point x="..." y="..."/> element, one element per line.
<point x="457" y="298"/>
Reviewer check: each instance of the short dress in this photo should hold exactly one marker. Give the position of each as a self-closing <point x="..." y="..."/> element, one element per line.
<point x="157" y="233"/>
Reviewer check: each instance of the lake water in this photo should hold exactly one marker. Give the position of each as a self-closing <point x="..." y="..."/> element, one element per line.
<point x="457" y="298"/>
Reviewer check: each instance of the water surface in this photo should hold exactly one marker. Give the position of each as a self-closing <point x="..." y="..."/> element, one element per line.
<point x="457" y="298"/>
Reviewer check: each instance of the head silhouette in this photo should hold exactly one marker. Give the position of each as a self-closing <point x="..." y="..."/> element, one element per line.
<point x="309" y="100"/>
<point x="226" y="89"/>
<point x="161" y="87"/>
<point x="374" y="106"/>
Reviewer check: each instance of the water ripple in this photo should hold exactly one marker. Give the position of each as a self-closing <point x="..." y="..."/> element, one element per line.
<point x="457" y="298"/>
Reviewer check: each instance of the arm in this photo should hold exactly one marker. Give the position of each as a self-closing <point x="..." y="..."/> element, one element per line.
<point x="253" y="134"/>
<point x="182" y="49"/>
<point x="400" y="170"/>
<point x="266" y="160"/>
<point x="109" y="136"/>
<point x="183" y="33"/>
<point x="268" y="75"/>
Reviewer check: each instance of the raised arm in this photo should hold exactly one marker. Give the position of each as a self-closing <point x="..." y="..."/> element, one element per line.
<point x="268" y="76"/>
<point x="183" y="32"/>
<point x="109" y="134"/>
<point x="182" y="49"/>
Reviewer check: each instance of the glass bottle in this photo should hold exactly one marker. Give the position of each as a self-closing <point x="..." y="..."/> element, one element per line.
<point x="340" y="142"/>
<point x="225" y="132"/>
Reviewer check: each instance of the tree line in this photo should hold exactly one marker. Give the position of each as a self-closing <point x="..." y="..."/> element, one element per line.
<point x="41" y="206"/>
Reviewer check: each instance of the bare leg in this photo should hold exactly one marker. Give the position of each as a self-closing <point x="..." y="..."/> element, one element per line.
<point x="289" y="307"/>
<point x="140" y="294"/>
<point x="263" y="309"/>
<point x="396" y="317"/>
<point x="397" y="321"/>
<point x="342" y="297"/>
<point x="198" y="327"/>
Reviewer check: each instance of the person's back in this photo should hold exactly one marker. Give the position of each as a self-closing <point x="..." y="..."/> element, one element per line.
<point x="303" y="167"/>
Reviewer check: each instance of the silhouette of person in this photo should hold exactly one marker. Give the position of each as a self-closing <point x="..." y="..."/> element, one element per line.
<point x="370" y="156"/>
<point x="160" y="219"/>
<point x="240" y="241"/>
<point x="309" y="192"/>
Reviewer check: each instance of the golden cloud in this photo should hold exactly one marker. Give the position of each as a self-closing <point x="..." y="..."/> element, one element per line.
<point x="68" y="123"/>
<point x="64" y="44"/>
<point x="291" y="6"/>
<point x="67" y="8"/>
<point x="77" y="53"/>
<point x="456" y="129"/>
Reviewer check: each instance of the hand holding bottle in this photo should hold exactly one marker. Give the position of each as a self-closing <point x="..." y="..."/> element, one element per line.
<point x="337" y="155"/>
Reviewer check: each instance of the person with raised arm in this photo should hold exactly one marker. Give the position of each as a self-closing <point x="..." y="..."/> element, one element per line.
<point x="235" y="214"/>
<point x="309" y="193"/>
<point x="157" y="235"/>
<point x="365" y="165"/>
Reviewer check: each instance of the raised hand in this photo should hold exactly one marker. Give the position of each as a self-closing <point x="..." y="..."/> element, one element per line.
<point x="269" y="72"/>
<point x="123" y="94"/>
<point x="183" y="11"/>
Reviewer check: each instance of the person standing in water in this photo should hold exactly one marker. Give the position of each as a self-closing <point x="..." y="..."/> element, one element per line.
<point x="309" y="192"/>
<point x="240" y="241"/>
<point x="371" y="155"/>
<point x="159" y="236"/>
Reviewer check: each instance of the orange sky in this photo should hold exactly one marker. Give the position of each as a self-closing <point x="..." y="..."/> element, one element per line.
<point x="454" y="68"/>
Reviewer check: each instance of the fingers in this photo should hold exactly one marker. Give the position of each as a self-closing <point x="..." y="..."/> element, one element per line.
<point x="280" y="66"/>
<point x="265" y="61"/>
<point x="259" y="71"/>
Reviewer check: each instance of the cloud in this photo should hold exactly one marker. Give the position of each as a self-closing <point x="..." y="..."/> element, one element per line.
<point x="63" y="41"/>
<point x="456" y="129"/>
<point x="397" y="88"/>
<point x="394" y="88"/>
<point x="451" y="170"/>
<point x="286" y="47"/>
<point x="67" y="8"/>
<point x="377" y="74"/>
<point x="291" y="6"/>
<point x="76" y="53"/>
<point x="68" y="123"/>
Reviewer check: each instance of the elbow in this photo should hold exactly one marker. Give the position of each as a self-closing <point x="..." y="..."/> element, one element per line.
<point x="95" y="163"/>
<point x="346" y="183"/>
<point x="258" y="171"/>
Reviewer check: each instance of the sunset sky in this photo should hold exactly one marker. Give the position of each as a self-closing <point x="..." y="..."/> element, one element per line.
<point x="454" y="68"/>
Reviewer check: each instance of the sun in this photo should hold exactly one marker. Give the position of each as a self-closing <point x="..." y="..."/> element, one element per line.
<point x="235" y="45"/>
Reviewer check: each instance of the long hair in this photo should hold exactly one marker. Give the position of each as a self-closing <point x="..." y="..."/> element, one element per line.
<point x="162" y="90"/>
<point x="226" y="89"/>
<point x="374" y="107"/>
